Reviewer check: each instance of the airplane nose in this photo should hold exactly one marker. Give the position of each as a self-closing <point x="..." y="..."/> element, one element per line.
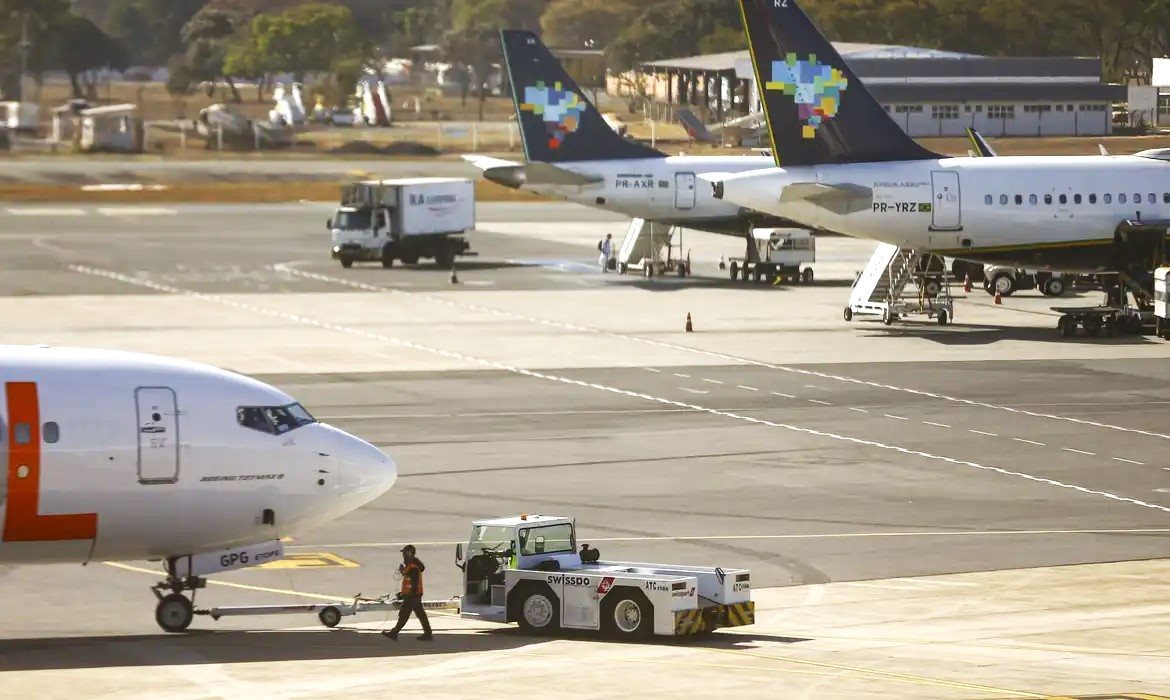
<point x="365" y="472"/>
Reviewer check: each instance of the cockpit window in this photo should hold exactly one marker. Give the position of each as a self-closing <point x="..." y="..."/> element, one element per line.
<point x="275" y="420"/>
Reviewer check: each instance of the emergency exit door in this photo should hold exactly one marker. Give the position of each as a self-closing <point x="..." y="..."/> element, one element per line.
<point x="684" y="190"/>
<point x="946" y="208"/>
<point x="158" y="435"/>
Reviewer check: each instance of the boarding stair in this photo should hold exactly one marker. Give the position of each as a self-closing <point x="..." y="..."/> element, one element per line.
<point x="649" y="247"/>
<point x="879" y="289"/>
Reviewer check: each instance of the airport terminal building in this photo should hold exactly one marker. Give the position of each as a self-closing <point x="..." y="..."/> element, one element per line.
<point x="928" y="92"/>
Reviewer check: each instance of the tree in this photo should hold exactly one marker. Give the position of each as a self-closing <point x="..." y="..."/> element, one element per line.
<point x="207" y="36"/>
<point x="587" y="23"/>
<point x="473" y="44"/>
<point x="303" y="39"/>
<point x="83" y="47"/>
<point x="39" y="16"/>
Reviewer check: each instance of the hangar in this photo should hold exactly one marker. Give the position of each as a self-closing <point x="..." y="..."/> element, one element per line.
<point x="928" y="92"/>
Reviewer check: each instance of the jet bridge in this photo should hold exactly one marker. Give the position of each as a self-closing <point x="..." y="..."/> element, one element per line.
<point x="879" y="290"/>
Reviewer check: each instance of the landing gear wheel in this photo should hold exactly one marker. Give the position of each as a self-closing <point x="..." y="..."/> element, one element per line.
<point x="1092" y="326"/>
<point x="347" y="263"/>
<point x="623" y="268"/>
<point x="1052" y="287"/>
<point x="539" y="612"/>
<point x="648" y="271"/>
<point x="174" y="613"/>
<point x="629" y="616"/>
<point x="806" y="277"/>
<point x="682" y="270"/>
<point x="848" y="314"/>
<point x="1067" y="325"/>
<point x="329" y="616"/>
<point x="943" y="317"/>
<point x="734" y="268"/>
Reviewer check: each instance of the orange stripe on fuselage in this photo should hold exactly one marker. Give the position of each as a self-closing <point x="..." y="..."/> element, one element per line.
<point x="22" y="522"/>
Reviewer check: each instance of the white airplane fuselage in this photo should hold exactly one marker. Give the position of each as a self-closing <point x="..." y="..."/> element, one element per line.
<point x="1040" y="212"/>
<point x="116" y="455"/>
<point x="667" y="190"/>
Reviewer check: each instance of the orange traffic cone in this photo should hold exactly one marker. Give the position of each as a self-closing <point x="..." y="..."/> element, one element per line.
<point x="690" y="328"/>
<point x="967" y="283"/>
<point x="998" y="298"/>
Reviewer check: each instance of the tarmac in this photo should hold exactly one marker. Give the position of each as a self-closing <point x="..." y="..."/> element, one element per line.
<point x="974" y="511"/>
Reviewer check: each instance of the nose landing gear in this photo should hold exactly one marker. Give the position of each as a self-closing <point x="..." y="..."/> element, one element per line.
<point x="174" y="611"/>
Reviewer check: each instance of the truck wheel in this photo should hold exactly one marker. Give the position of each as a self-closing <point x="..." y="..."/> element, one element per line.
<point x="1067" y="326"/>
<point x="1092" y="325"/>
<point x="388" y="256"/>
<point x="410" y="257"/>
<point x="734" y="268"/>
<point x="806" y="277"/>
<point x="538" y="610"/>
<point x="347" y="263"/>
<point x="627" y="614"/>
<point x="443" y="256"/>
<point x="1052" y="287"/>
<point x="848" y="314"/>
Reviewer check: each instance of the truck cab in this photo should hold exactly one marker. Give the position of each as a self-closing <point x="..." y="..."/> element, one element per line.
<point x="358" y="233"/>
<point x="529" y="569"/>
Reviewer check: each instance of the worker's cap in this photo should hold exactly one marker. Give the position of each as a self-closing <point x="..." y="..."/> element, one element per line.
<point x="408" y="548"/>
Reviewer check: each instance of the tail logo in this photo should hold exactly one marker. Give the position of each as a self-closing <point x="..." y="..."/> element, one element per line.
<point x="560" y="109"/>
<point x="817" y="89"/>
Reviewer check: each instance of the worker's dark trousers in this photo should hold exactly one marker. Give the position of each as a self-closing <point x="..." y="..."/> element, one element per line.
<point x="412" y="603"/>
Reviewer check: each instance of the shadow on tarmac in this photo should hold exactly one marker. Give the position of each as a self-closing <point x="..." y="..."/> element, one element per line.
<point x="981" y="334"/>
<point x="198" y="647"/>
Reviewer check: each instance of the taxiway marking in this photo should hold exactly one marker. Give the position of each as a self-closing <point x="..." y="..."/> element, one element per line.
<point x="981" y="432"/>
<point x="890" y="415"/>
<point x="823" y="403"/>
<point x="1028" y="442"/>
<point x="937" y="425"/>
<point x="1080" y="452"/>
<point x="1128" y="461"/>
<point x="482" y="362"/>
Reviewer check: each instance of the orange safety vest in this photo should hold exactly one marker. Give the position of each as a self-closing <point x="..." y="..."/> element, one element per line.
<point x="407" y="582"/>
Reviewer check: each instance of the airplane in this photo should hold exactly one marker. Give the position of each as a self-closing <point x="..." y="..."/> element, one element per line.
<point x="571" y="153"/>
<point x="115" y="455"/>
<point x="843" y="165"/>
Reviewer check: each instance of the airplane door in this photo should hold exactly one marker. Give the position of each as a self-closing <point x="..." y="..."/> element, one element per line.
<point x="684" y="190"/>
<point x="947" y="214"/>
<point x="158" y="435"/>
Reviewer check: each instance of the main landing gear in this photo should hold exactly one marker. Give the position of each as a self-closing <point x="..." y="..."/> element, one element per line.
<point x="175" y="611"/>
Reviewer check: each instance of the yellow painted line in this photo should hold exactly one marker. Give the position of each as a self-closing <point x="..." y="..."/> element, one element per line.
<point x="311" y="560"/>
<point x="231" y="584"/>
<point x="893" y="676"/>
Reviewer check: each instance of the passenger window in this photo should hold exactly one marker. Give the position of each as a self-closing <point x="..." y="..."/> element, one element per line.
<point x="1032" y="199"/>
<point x="1019" y="199"/>
<point x="1121" y="198"/>
<point x="1064" y="199"/>
<point x="1166" y="198"/>
<point x="1076" y="199"/>
<point x="1003" y="199"/>
<point x="22" y="432"/>
<point x="987" y="200"/>
<point x="1048" y="199"/>
<point x="1092" y="199"/>
<point x="50" y="432"/>
<point x="1152" y="198"/>
<point x="1108" y="198"/>
<point x="1137" y="198"/>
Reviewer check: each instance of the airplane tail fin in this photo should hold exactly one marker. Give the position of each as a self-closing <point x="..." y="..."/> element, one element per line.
<point x="818" y="112"/>
<point x="558" y="123"/>
<point x="695" y="128"/>
<point x="979" y="145"/>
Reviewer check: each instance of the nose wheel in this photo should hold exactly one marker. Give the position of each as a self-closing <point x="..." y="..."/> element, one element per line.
<point x="175" y="611"/>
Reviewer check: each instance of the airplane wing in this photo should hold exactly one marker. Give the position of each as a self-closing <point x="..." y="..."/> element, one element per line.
<point x="487" y="162"/>
<point x="839" y="199"/>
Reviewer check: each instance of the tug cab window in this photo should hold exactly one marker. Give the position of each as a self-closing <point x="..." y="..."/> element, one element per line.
<point x="551" y="539"/>
<point x="275" y="420"/>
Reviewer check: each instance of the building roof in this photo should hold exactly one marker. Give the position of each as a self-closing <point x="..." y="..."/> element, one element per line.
<point x="726" y="61"/>
<point x="106" y="110"/>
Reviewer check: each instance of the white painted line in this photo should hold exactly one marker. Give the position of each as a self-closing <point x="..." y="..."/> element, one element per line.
<point x="746" y="388"/>
<point x="1080" y="452"/>
<point x="859" y="410"/>
<point x="981" y="432"/>
<point x="501" y="366"/>
<point x="682" y="376"/>
<point x="787" y="396"/>
<point x="651" y="369"/>
<point x="937" y="425"/>
<point x="870" y="584"/>
<point x="712" y="381"/>
<point x="811" y="386"/>
<point x="1128" y="461"/>
<point x="812" y="536"/>
<point x="694" y="391"/>
<point x="287" y="268"/>
<point x="888" y="415"/>
<point x="823" y="403"/>
<point x="136" y="211"/>
<point x="934" y="582"/>
<point x="46" y="211"/>
<point x="1029" y="442"/>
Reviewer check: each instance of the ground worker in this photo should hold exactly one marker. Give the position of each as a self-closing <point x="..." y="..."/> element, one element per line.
<point x="606" y="248"/>
<point x="412" y="591"/>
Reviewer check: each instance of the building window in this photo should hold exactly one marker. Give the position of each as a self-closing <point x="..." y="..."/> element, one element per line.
<point x="1032" y="199"/>
<point x="987" y="200"/>
<point x="1037" y="109"/>
<point x="1001" y="112"/>
<point x="978" y="108"/>
<point x="1059" y="108"/>
<point x="967" y="108"/>
<point x="1069" y="108"/>
<point x="50" y="432"/>
<point x="1019" y="199"/>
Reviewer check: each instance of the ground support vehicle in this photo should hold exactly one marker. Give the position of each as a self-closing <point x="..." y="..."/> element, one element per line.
<point x="777" y="255"/>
